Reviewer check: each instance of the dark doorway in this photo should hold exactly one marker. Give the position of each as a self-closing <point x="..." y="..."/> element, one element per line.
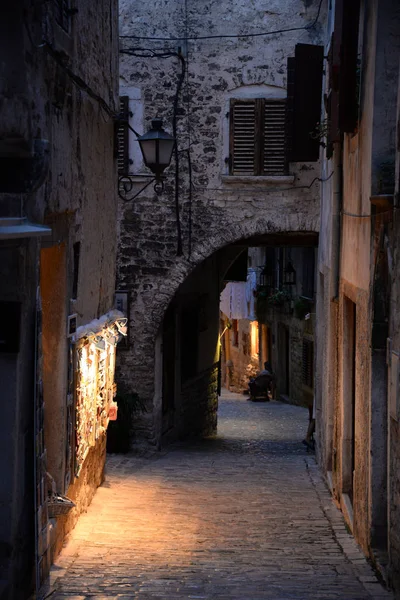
<point x="168" y="369"/>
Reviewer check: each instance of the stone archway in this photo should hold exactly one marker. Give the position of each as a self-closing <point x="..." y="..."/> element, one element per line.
<point x="157" y="283"/>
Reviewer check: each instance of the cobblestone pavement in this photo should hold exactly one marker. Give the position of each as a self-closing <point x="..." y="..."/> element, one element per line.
<point x="244" y="516"/>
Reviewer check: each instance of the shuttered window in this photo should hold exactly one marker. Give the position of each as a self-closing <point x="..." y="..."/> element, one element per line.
<point x="123" y="136"/>
<point x="257" y="137"/>
<point x="308" y="363"/>
<point x="62" y="13"/>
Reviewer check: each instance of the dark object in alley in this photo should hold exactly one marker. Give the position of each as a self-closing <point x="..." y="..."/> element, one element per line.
<point x="263" y="385"/>
<point x="309" y="441"/>
<point x="119" y="434"/>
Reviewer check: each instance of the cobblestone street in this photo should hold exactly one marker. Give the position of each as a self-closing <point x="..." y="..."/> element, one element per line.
<point x="244" y="516"/>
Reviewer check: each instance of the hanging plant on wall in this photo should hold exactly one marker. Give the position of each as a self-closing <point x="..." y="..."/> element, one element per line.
<point x="302" y="306"/>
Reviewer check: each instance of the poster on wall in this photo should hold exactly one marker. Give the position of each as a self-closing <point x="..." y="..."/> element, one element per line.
<point x="121" y="303"/>
<point x="94" y="395"/>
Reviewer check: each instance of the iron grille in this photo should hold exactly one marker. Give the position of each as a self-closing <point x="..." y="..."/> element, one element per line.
<point x="308" y="363"/>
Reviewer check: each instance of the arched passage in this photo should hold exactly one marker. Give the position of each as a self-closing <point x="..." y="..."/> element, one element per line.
<point x="172" y="359"/>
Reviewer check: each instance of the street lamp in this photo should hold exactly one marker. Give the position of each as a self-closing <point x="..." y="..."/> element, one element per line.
<point x="156" y="146"/>
<point x="289" y="275"/>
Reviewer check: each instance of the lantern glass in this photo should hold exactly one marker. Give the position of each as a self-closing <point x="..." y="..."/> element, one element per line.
<point x="157" y="146"/>
<point x="289" y="275"/>
<point x="165" y="151"/>
<point x="148" y="148"/>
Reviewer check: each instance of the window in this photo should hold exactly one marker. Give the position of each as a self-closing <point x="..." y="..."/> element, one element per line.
<point x="308" y="363"/>
<point x="257" y="137"/>
<point x="308" y="272"/>
<point x="122" y="135"/>
<point x="62" y="13"/>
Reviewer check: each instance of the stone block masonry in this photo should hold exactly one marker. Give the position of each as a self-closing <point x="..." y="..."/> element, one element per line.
<point x="199" y="404"/>
<point x="215" y="209"/>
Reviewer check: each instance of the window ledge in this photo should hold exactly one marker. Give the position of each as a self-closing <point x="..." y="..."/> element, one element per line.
<point x="259" y="179"/>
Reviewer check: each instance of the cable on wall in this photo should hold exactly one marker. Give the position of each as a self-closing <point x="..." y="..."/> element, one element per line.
<point x="230" y="35"/>
<point x="146" y="53"/>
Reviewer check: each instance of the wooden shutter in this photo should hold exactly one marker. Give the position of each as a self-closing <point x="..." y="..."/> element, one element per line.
<point x="274" y="152"/>
<point x="348" y="101"/>
<point x="308" y="363"/>
<point x="244" y="145"/>
<point x="257" y="137"/>
<point x="290" y="107"/>
<point x="307" y="92"/>
<point x="123" y="136"/>
<point x="62" y="13"/>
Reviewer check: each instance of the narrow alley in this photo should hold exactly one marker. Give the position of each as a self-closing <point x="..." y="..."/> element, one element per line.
<point x="245" y="515"/>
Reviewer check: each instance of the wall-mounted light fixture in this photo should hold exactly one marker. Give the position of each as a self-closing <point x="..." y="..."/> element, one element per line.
<point x="156" y="146"/>
<point x="289" y="274"/>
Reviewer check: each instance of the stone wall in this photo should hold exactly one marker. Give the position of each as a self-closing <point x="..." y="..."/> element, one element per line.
<point x="81" y="492"/>
<point x="55" y="78"/>
<point x="199" y="404"/>
<point x="215" y="209"/>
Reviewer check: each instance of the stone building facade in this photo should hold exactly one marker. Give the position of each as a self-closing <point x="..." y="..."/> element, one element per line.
<point x="183" y="69"/>
<point x="58" y="99"/>
<point x="357" y="315"/>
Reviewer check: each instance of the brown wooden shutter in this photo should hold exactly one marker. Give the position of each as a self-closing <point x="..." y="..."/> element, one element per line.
<point x="290" y="107"/>
<point x="274" y="150"/>
<point x="244" y="146"/>
<point x="348" y="101"/>
<point x="123" y="136"/>
<point x="307" y="102"/>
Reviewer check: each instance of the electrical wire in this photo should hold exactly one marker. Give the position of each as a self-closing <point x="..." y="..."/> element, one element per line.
<point x="268" y="190"/>
<point x="365" y="216"/>
<point x="179" y="250"/>
<point x="233" y="35"/>
<point x="189" y="137"/>
<point x="78" y="81"/>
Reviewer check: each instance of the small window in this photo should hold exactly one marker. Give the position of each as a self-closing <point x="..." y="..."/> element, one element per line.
<point x="257" y="137"/>
<point x="62" y="13"/>
<point x="122" y="140"/>
<point x="308" y="363"/>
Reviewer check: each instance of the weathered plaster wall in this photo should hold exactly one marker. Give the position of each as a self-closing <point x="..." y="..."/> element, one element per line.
<point x="358" y="241"/>
<point x="78" y="200"/>
<point x="219" y="210"/>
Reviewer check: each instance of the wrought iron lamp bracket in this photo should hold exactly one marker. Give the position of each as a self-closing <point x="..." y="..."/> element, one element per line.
<point x="126" y="183"/>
